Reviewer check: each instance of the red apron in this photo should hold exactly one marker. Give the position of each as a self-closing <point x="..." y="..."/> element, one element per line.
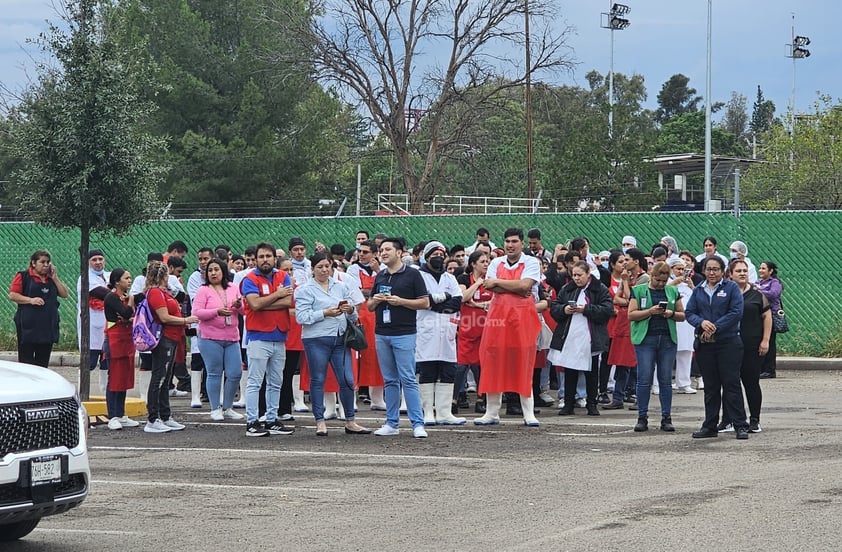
<point x="507" y="349"/>
<point x="471" y="324"/>
<point x="369" y="369"/>
<point x="120" y="357"/>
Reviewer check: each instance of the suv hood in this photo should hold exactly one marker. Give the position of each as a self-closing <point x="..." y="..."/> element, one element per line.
<point x="28" y="383"/>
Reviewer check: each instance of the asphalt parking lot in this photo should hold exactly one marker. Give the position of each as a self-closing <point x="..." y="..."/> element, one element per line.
<point x="575" y="483"/>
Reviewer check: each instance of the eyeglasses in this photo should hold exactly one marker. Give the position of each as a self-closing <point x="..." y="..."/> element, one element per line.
<point x="713" y="269"/>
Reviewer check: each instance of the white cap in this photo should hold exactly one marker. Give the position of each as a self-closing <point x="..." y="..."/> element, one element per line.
<point x="629" y="239"/>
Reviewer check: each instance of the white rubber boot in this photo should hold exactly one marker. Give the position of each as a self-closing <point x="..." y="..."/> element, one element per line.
<point x="244" y="380"/>
<point x="340" y="409"/>
<point x="196" y="389"/>
<point x="330" y="406"/>
<point x="444" y="402"/>
<point x="103" y="381"/>
<point x="143" y="379"/>
<point x="403" y="409"/>
<point x="527" y="404"/>
<point x="428" y="395"/>
<point x="493" y="402"/>
<point x="377" y="400"/>
<point x="298" y="395"/>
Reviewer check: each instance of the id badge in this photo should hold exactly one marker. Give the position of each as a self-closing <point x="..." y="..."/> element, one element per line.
<point x="265" y="289"/>
<point x="387" y="316"/>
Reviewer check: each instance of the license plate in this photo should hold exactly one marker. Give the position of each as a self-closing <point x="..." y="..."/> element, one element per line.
<point x="45" y="470"/>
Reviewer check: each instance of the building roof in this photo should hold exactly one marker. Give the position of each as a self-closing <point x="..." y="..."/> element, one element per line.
<point x="694" y="163"/>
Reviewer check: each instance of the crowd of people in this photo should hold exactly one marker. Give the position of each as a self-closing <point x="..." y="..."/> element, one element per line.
<point x="508" y="323"/>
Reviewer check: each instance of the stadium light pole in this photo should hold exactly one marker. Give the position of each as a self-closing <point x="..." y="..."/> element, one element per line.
<point x="613" y="20"/>
<point x="796" y="49"/>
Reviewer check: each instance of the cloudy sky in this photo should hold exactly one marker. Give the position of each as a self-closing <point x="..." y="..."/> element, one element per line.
<point x="665" y="37"/>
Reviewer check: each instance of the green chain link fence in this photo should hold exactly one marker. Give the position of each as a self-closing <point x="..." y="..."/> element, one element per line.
<point x="805" y="245"/>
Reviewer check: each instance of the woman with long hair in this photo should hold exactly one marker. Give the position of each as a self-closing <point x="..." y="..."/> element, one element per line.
<point x="218" y="305"/>
<point x="475" y="302"/>
<point x="772" y="288"/>
<point x="166" y="310"/>
<point x="118" y="347"/>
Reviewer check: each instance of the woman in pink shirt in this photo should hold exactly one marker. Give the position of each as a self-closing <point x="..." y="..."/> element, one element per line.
<point x="218" y="305"/>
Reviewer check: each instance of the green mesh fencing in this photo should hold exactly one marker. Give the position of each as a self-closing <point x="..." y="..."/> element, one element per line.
<point x="805" y="246"/>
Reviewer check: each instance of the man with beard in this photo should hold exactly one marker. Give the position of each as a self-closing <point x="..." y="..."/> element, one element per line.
<point x="268" y="294"/>
<point x="398" y="292"/>
<point x="435" y="353"/>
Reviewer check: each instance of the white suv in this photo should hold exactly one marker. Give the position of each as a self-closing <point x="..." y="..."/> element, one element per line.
<point x="43" y="448"/>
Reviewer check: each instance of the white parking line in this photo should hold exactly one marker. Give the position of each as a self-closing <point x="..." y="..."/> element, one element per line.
<point x="42" y="529"/>
<point x="303" y="453"/>
<point x="210" y="486"/>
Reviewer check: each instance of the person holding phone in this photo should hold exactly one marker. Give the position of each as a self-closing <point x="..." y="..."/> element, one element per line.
<point x="582" y="310"/>
<point x="218" y="306"/>
<point x="680" y="278"/>
<point x="324" y="308"/>
<point x="654" y="309"/>
<point x="36" y="291"/>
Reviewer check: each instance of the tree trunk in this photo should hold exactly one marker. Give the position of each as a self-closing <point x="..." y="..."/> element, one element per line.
<point x="85" y="317"/>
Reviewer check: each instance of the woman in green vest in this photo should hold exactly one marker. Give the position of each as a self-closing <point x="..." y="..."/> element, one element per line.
<point x="654" y="308"/>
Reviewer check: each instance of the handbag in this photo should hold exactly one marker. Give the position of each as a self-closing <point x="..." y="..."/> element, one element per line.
<point x="545" y="336"/>
<point x="355" y="337"/>
<point x="779" y="322"/>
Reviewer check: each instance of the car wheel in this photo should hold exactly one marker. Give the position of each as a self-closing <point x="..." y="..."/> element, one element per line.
<point x="15" y="531"/>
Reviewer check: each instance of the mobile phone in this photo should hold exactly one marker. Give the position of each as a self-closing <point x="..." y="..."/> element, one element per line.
<point x="662" y="305"/>
<point x="571" y="304"/>
<point x="687" y="273"/>
<point x="342" y="303"/>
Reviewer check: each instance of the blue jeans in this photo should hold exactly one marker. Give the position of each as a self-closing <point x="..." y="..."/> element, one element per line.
<point x="396" y="356"/>
<point x="266" y="358"/>
<point x="219" y="357"/>
<point x="655" y="351"/>
<point x="581" y="390"/>
<point x="320" y="351"/>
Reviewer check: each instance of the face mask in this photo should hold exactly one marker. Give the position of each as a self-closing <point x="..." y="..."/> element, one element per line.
<point x="733" y="255"/>
<point x="605" y="264"/>
<point x="98" y="272"/>
<point x="436" y="263"/>
<point x="625" y="250"/>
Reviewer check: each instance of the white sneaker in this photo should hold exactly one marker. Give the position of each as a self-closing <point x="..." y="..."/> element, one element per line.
<point x="216" y="415"/>
<point x="419" y="432"/>
<point x="177" y="393"/>
<point x="687" y="390"/>
<point x="232" y="415"/>
<point x="388" y="431"/>
<point x="156" y="427"/>
<point x="114" y="423"/>
<point x="125" y="421"/>
<point x="675" y="386"/>
<point x="239" y="404"/>
<point x="173" y="425"/>
<point x="582" y="403"/>
<point x="656" y="391"/>
<point x="701" y="384"/>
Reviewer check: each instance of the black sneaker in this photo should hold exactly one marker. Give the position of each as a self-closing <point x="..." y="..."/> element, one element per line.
<point x="256" y="429"/>
<point x="603" y="398"/>
<point x="277" y="428"/>
<point x="754" y="426"/>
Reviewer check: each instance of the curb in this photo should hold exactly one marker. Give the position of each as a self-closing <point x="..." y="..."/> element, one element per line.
<point x="68" y="359"/>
